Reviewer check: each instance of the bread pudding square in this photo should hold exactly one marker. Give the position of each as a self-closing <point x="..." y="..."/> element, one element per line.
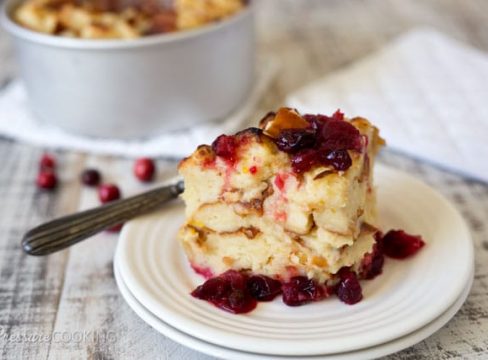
<point x="292" y="197"/>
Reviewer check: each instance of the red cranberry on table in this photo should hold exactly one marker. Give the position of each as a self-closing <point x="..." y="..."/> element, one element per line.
<point x="108" y="192"/>
<point x="46" y="180"/>
<point x="144" y="169"/>
<point x="47" y="162"/>
<point x="90" y="177"/>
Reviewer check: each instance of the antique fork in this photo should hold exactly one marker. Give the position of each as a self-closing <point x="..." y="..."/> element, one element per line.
<point x="63" y="232"/>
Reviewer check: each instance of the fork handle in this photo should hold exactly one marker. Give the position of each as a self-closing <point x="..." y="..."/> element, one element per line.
<point x="61" y="233"/>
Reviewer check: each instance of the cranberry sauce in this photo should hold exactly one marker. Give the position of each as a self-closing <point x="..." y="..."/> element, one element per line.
<point x="228" y="291"/>
<point x="348" y="289"/>
<point x="226" y="146"/>
<point x="325" y="141"/>
<point x="398" y="244"/>
<point x="301" y="290"/>
<point x="263" y="288"/>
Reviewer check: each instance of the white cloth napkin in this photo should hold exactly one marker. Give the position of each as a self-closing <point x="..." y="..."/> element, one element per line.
<point x="427" y="93"/>
<point x="17" y="122"/>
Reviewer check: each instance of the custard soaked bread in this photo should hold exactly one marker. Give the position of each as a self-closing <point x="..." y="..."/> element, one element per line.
<point x="292" y="197"/>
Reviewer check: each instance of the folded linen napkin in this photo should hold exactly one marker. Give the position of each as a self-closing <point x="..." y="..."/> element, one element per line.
<point x="17" y="122"/>
<point x="427" y="93"/>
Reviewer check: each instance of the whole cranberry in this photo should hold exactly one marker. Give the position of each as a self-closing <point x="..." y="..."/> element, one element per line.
<point x="304" y="160"/>
<point x="339" y="159"/>
<point x="263" y="288"/>
<point x="294" y="140"/>
<point x="340" y="135"/>
<point x="46" y="180"/>
<point x="144" y="169"/>
<point x="108" y="192"/>
<point x="225" y="146"/>
<point x="47" y="162"/>
<point x="349" y="290"/>
<point x="301" y="290"/>
<point x="90" y="177"/>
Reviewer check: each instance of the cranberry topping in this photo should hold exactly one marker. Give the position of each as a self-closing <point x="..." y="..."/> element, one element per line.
<point x="338" y="115"/>
<point x="340" y="135"/>
<point x="47" y="162"/>
<point x="144" y="169"/>
<point x="108" y="192"/>
<point x="301" y="290"/>
<point x="253" y="170"/>
<point x="263" y="288"/>
<point x="228" y="291"/>
<point x="226" y="147"/>
<point x="293" y="140"/>
<point x="372" y="264"/>
<point x="325" y="142"/>
<point x="90" y="177"/>
<point x="339" y="159"/>
<point x="400" y="245"/>
<point x="349" y="290"/>
<point x="46" y="180"/>
<point x="305" y="160"/>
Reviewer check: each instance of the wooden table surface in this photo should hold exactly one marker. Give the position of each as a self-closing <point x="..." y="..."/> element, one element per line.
<point x="67" y="306"/>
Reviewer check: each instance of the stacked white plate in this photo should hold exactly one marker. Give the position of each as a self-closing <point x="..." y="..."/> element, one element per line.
<point x="411" y="300"/>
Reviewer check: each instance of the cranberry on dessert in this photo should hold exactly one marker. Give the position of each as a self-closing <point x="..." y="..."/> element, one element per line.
<point x="307" y="212"/>
<point x="340" y="135"/>
<point x="263" y="288"/>
<point x="325" y="141"/>
<point x="108" y="192"/>
<point x="349" y="290"/>
<point x="90" y="177"/>
<point x="294" y="140"/>
<point x="226" y="147"/>
<point x="227" y="291"/>
<point x="400" y="245"/>
<point x="301" y="290"/>
<point x="144" y="169"/>
<point x="372" y="264"/>
<point x="339" y="159"/>
<point x="46" y="180"/>
<point x="47" y="162"/>
<point x="305" y="160"/>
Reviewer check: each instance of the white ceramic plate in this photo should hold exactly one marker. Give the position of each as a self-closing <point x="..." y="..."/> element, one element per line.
<point x="229" y="354"/>
<point x="408" y="296"/>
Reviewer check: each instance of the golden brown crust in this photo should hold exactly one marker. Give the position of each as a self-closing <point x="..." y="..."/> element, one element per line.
<point x="204" y="154"/>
